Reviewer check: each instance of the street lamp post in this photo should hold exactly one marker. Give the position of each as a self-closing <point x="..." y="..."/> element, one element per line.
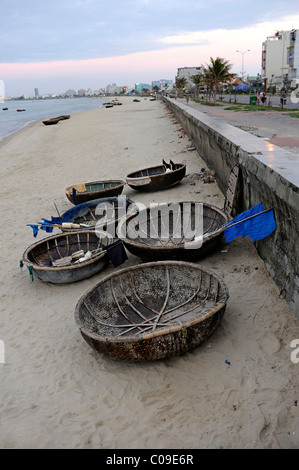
<point x="244" y="52"/>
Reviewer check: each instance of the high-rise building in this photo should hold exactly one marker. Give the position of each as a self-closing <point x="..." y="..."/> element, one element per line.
<point x="280" y="57"/>
<point x="293" y="55"/>
<point x="142" y="86"/>
<point x="36" y="92"/>
<point x="163" y="84"/>
<point x="188" y="72"/>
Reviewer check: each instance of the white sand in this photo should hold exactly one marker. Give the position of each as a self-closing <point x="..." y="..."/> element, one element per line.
<point x="55" y="391"/>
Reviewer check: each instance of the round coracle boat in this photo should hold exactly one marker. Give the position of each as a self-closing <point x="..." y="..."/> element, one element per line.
<point x="102" y="214"/>
<point x="84" y="192"/>
<point x="152" y="311"/>
<point x="168" y="231"/>
<point x="157" y="178"/>
<point x="66" y="258"/>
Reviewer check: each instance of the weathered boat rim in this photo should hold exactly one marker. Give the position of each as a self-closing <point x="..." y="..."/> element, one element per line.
<point x="131" y="175"/>
<point x="163" y="331"/>
<point x="38" y="267"/>
<point x="181" y="246"/>
<point x="69" y="188"/>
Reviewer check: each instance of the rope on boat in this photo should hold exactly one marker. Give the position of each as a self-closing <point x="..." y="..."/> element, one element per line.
<point x="21" y="265"/>
<point x="30" y="269"/>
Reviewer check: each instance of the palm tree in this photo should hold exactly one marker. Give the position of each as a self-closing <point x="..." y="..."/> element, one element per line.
<point x="180" y="83"/>
<point x="216" y="73"/>
<point x="207" y="80"/>
<point x="144" y="91"/>
<point x="156" y="89"/>
<point x="196" y="79"/>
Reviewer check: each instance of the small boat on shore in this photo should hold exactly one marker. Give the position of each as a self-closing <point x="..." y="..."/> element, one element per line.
<point x="51" y="122"/>
<point x="55" y="120"/>
<point x="67" y="258"/>
<point x="157" y="177"/>
<point x="84" y="192"/>
<point x="97" y="214"/>
<point x="152" y="311"/>
<point x="151" y="244"/>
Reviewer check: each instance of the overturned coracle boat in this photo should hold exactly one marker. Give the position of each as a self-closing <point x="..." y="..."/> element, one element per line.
<point x="157" y="177"/>
<point x="152" y="311"/>
<point x="83" y="192"/>
<point x="165" y="231"/>
<point x="66" y="258"/>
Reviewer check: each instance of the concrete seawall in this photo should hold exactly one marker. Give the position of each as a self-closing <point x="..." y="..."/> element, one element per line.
<point x="268" y="174"/>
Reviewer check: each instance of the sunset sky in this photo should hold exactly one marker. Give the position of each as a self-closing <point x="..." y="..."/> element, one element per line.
<point x="56" y="45"/>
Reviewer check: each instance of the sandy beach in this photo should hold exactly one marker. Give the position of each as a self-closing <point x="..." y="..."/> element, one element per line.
<point x="238" y="390"/>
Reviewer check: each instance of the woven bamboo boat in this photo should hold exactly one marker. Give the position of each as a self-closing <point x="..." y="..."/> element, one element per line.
<point x="156" y="178"/>
<point x="84" y="192"/>
<point x="98" y="214"/>
<point x="152" y="245"/>
<point x="152" y="311"/>
<point x="66" y="258"/>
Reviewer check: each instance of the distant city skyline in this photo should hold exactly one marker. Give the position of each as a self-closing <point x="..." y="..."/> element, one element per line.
<point x="77" y="44"/>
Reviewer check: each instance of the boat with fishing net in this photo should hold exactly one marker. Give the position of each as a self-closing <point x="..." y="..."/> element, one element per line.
<point x="157" y="177"/>
<point x="152" y="311"/>
<point x="154" y="234"/>
<point x="66" y="258"/>
<point x="84" y="192"/>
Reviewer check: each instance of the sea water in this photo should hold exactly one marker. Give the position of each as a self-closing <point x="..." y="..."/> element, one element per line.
<point x="11" y="120"/>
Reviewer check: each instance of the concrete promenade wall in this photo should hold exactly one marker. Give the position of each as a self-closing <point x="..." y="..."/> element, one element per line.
<point x="269" y="174"/>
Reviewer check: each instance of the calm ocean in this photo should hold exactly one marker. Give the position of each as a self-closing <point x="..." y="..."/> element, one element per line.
<point x="12" y="120"/>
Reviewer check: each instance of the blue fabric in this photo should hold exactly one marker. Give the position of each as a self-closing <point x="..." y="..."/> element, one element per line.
<point x="72" y="214"/>
<point x="54" y="220"/>
<point x="82" y="209"/>
<point x="34" y="228"/>
<point x="117" y="253"/>
<point x="47" y="228"/>
<point x="74" y="196"/>
<point x="256" y="228"/>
